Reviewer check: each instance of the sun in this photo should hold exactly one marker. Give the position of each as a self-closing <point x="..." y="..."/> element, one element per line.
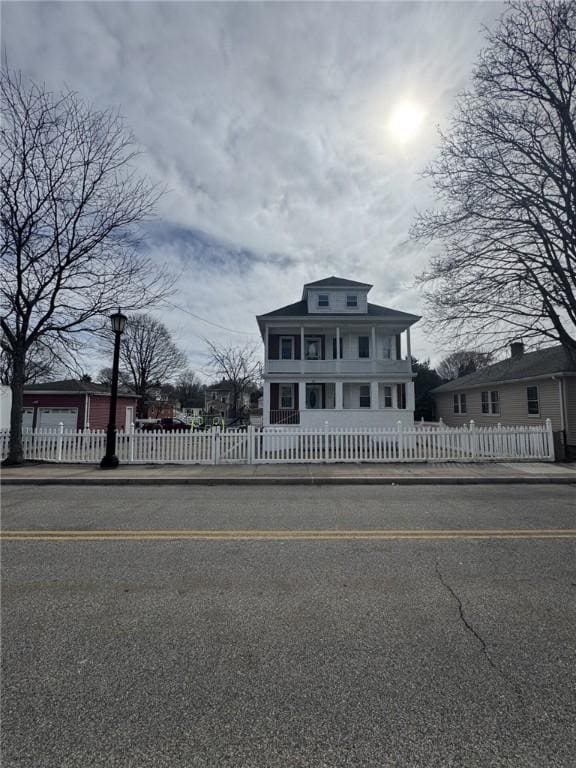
<point x="406" y="121"/>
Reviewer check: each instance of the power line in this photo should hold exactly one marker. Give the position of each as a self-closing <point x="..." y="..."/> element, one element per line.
<point x="209" y="322"/>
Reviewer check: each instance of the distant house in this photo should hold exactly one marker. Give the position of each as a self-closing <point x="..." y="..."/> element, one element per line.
<point x="219" y="399"/>
<point x="526" y="388"/>
<point x="76" y="404"/>
<point x="333" y="357"/>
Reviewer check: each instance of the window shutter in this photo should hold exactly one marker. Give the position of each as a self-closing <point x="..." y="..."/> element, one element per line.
<point x="273" y="346"/>
<point x="296" y="396"/>
<point x="297" y="347"/>
<point x="398" y="347"/>
<point x="274" y="396"/>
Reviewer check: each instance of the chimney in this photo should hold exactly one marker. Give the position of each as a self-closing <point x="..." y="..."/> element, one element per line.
<point x="516" y="349"/>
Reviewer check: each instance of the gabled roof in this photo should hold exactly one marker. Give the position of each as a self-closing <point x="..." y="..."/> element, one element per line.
<point x="543" y="362"/>
<point x="75" y="387"/>
<point x="336" y="282"/>
<point x="300" y="309"/>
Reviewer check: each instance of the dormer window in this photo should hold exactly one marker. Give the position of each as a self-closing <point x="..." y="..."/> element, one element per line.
<point x="323" y="300"/>
<point x="352" y="301"/>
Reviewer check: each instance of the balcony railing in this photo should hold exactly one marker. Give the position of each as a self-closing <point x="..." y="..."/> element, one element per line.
<point x="285" y="416"/>
<point x="337" y="366"/>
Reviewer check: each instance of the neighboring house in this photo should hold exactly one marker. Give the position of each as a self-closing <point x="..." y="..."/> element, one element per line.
<point x="333" y="357"/>
<point x="219" y="400"/>
<point x="77" y="404"/>
<point x="526" y="388"/>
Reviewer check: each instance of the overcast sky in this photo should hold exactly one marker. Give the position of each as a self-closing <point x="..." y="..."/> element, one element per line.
<point x="275" y="128"/>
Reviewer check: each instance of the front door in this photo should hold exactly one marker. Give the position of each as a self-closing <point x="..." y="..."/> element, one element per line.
<point x="313" y="396"/>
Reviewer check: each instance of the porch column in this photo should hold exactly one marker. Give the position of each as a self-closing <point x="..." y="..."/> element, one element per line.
<point x="302" y="395"/>
<point x="301" y="352"/>
<point x="408" y="348"/>
<point x="337" y="355"/>
<point x="373" y="345"/>
<point x="410" y="399"/>
<point x="266" y="404"/>
<point x="374" y="399"/>
<point x="339" y="392"/>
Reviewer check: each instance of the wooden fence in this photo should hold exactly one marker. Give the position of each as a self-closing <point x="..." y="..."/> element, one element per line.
<point x="280" y="445"/>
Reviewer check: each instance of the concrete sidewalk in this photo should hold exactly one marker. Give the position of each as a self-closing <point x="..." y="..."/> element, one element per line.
<point x="293" y="474"/>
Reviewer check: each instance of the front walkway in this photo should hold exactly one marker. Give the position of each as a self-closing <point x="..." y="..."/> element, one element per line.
<point x="292" y="474"/>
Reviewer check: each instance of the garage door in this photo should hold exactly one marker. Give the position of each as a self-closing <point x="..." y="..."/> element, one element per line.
<point x="27" y="418"/>
<point x="50" y="418"/>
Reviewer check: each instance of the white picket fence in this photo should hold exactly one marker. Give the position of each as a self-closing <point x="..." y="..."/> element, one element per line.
<point x="274" y="445"/>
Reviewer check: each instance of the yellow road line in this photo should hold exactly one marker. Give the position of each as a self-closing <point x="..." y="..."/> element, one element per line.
<point x="286" y="534"/>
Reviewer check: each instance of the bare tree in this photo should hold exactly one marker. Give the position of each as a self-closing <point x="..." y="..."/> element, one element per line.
<point x="505" y="178"/>
<point x="463" y="362"/>
<point x="189" y="390"/>
<point x="42" y="363"/>
<point x="70" y="204"/>
<point x="148" y="355"/>
<point x="237" y="366"/>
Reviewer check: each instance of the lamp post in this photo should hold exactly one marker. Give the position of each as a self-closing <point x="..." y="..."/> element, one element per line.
<point x="110" y="460"/>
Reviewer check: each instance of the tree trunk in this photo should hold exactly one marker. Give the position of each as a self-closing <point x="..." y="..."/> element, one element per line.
<point x="15" y="450"/>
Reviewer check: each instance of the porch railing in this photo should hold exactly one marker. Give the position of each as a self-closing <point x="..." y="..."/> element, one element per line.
<point x="285" y="416"/>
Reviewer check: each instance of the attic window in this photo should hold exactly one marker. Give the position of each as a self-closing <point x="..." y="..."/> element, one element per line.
<point x="352" y="301"/>
<point x="323" y="300"/>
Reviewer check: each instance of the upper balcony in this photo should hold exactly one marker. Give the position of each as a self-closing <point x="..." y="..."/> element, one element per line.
<point x="315" y="351"/>
<point x="312" y="367"/>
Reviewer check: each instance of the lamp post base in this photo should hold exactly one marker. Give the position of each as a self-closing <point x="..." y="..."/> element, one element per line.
<point x="109" y="462"/>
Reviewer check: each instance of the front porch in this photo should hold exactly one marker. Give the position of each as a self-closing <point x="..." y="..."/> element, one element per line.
<point x="338" y="403"/>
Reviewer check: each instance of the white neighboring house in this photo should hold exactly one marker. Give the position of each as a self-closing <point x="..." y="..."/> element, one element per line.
<point x="5" y="406"/>
<point x="334" y="357"/>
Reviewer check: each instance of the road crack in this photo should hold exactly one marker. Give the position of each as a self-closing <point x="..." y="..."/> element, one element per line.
<point x="464" y="620"/>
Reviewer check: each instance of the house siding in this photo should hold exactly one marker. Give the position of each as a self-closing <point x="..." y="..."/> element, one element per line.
<point x="570" y="402"/>
<point x="513" y="405"/>
<point x="99" y="408"/>
<point x="37" y="401"/>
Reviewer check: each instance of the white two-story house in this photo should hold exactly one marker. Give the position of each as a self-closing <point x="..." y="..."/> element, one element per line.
<point x="335" y="358"/>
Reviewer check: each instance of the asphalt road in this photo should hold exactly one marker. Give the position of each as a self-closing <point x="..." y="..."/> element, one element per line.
<point x="294" y="651"/>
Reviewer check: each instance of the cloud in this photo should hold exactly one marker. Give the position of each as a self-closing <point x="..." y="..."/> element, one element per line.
<point x="266" y="122"/>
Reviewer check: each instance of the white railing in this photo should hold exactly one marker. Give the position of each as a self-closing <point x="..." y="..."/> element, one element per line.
<point x="284" y="444"/>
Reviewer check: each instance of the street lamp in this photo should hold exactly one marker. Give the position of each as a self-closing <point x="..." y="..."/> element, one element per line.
<point x="110" y="460"/>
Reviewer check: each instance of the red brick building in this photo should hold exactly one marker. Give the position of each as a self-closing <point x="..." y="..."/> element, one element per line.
<point x="76" y="404"/>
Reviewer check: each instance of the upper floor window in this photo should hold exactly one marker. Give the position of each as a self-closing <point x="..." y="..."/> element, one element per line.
<point x="387" y="348"/>
<point x="363" y="346"/>
<point x="460" y="403"/>
<point x="286" y="348"/>
<point x="532" y="396"/>
<point x="312" y="348"/>
<point x="352" y="301"/>
<point x="364" y="395"/>
<point x="323" y="300"/>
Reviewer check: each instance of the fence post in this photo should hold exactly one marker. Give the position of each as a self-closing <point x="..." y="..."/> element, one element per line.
<point x="60" y="440"/>
<point x="131" y="442"/>
<point x="400" y="440"/>
<point x="550" y="438"/>
<point x="250" y="437"/>
<point x="216" y="445"/>
<point x="473" y="440"/>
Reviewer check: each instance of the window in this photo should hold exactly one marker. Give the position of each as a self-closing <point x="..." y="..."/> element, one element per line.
<point x="490" y="402"/>
<point x="533" y="401"/>
<point x="364" y="395"/>
<point x="387" y="396"/>
<point x="286" y="347"/>
<point x="334" y="355"/>
<point x="312" y="348"/>
<point x="363" y="346"/>
<point x="459" y="403"/>
<point x="323" y="300"/>
<point x="401" y="394"/>
<point x="286" y="396"/>
<point x="351" y="301"/>
<point x="495" y="402"/>
<point x="387" y="348"/>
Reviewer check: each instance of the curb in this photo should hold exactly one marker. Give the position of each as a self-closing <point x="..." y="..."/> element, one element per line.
<point x="342" y="480"/>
